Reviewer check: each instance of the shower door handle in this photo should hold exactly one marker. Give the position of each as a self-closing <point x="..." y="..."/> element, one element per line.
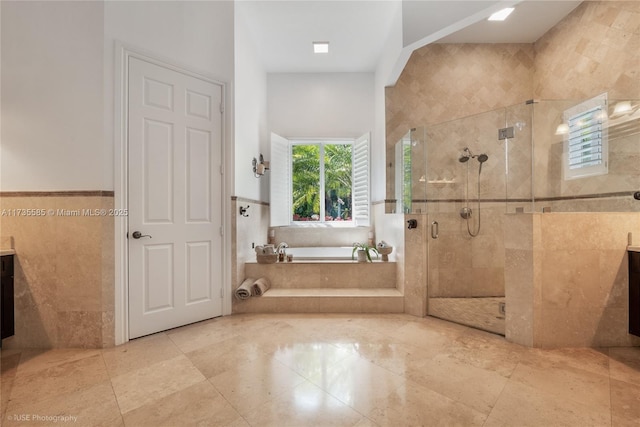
<point x="435" y="229"/>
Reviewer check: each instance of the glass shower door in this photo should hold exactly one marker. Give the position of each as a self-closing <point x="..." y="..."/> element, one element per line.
<point x="468" y="176"/>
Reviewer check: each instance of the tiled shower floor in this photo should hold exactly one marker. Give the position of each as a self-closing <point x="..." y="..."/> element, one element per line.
<point x="482" y="313"/>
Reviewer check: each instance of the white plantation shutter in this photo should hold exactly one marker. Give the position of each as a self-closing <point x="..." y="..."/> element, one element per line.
<point x="280" y="171"/>
<point x="586" y="142"/>
<point x="361" y="194"/>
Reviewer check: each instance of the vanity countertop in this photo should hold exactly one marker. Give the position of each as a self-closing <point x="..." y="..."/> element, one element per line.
<point x="635" y="248"/>
<point x="4" y="252"/>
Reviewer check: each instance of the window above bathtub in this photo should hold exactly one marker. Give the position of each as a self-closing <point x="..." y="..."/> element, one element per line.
<point x="320" y="181"/>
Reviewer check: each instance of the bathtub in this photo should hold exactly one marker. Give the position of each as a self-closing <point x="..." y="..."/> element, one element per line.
<point x="321" y="253"/>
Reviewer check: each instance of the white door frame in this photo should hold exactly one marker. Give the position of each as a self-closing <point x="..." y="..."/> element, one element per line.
<point x="121" y="283"/>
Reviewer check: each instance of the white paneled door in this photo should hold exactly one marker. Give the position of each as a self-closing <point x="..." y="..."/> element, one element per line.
<point x="175" y="204"/>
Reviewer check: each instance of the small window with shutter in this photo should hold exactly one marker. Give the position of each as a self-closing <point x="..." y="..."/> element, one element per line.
<point x="585" y="140"/>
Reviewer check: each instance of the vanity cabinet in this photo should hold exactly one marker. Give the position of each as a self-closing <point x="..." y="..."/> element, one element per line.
<point x="7" y="324"/>
<point x="634" y="293"/>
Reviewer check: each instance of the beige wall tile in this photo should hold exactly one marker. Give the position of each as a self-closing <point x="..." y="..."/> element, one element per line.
<point x="597" y="40"/>
<point x="570" y="279"/>
<point x="487" y="77"/>
<point x="564" y="292"/>
<point x="79" y="329"/>
<point x="64" y="263"/>
<point x="415" y="285"/>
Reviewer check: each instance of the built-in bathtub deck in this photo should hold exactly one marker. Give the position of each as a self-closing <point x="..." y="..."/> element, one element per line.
<point x="325" y="287"/>
<point x="325" y="274"/>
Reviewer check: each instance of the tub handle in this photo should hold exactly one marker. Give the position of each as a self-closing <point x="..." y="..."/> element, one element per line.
<point x="435" y="229"/>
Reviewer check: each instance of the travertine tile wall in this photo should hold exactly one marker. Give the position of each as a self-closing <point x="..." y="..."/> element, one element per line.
<point x="594" y="49"/>
<point x="415" y="266"/>
<point x="444" y="82"/>
<point x="568" y="292"/>
<point x="320" y="236"/>
<point x="64" y="272"/>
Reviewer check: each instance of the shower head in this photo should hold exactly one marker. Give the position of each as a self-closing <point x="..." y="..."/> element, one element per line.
<point x="482" y="158"/>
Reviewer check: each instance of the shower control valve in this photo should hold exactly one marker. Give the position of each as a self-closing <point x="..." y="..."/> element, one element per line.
<point x="412" y="223"/>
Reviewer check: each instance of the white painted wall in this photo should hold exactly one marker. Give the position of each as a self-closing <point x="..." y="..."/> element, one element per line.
<point x="58" y="80"/>
<point x="386" y="68"/>
<point x="252" y="135"/>
<point x="195" y="35"/>
<point x="52" y="72"/>
<point x="330" y="105"/>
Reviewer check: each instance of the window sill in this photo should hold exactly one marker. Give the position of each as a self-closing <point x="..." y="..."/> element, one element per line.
<point x="335" y="224"/>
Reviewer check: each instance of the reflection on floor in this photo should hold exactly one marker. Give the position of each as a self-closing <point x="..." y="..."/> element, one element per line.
<point x="320" y="370"/>
<point x="481" y="312"/>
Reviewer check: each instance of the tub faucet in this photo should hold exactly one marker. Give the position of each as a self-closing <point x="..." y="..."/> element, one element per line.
<point x="281" y="251"/>
<point x="281" y="247"/>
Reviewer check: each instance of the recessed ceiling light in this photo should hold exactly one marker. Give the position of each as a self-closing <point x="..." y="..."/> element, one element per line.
<point x="320" y="47"/>
<point x="501" y="15"/>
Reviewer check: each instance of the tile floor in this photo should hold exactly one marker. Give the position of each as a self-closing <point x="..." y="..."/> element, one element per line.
<point x="321" y="370"/>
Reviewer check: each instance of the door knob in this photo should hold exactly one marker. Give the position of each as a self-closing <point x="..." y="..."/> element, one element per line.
<point x="138" y="235"/>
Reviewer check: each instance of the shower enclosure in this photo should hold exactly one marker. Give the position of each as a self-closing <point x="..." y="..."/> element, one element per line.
<point x="465" y="175"/>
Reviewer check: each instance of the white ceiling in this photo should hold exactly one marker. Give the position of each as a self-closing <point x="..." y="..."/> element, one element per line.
<point x="526" y="24"/>
<point x="283" y="31"/>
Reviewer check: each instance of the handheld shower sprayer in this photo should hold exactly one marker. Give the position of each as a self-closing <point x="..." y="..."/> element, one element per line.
<point x="481" y="158"/>
<point x="466" y="211"/>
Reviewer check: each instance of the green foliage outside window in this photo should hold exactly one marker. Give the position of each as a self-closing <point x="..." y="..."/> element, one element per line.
<point x="308" y="185"/>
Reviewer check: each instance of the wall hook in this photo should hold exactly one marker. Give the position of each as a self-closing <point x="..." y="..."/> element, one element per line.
<point x="243" y="211"/>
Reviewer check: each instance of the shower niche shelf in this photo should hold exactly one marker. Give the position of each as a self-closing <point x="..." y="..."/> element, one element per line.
<point x="441" y="181"/>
